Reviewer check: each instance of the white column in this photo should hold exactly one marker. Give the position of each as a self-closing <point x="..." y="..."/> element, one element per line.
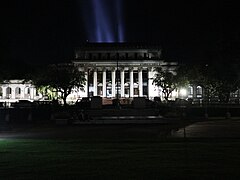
<point x="104" y="83"/>
<point x="131" y="82"/>
<point x="151" y="89"/>
<point x="140" y="82"/>
<point x="31" y="92"/>
<point x="86" y="88"/>
<point x="22" y="92"/>
<point x="122" y="83"/>
<point x="113" y="83"/>
<point x="95" y="82"/>
<point x="4" y="94"/>
<point x="13" y="93"/>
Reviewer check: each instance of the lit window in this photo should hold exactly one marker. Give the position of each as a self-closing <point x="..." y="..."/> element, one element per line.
<point x="8" y="91"/>
<point x="190" y="91"/>
<point x="199" y="91"/>
<point x="18" y="90"/>
<point x="27" y="91"/>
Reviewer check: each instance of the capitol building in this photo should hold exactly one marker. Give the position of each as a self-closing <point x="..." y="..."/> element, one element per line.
<point x="120" y="70"/>
<point x="112" y="70"/>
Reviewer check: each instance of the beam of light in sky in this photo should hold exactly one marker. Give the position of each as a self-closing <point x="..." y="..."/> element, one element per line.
<point x="104" y="30"/>
<point x="104" y="21"/>
<point x="119" y="20"/>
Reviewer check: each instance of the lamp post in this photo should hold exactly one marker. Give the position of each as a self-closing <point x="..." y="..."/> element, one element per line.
<point x="117" y="80"/>
<point x="206" y="95"/>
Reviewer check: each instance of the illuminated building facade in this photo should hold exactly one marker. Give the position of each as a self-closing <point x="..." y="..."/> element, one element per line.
<point x="13" y="90"/>
<point x="120" y="69"/>
<point x="114" y="70"/>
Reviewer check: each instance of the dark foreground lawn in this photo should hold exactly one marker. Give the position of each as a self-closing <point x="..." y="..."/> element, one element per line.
<point x="120" y="158"/>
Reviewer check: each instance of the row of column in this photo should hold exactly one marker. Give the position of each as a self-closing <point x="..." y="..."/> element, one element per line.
<point x="9" y="92"/>
<point x="122" y="85"/>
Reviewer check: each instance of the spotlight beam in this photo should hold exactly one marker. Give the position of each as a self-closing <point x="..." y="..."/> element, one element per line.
<point x="104" y="23"/>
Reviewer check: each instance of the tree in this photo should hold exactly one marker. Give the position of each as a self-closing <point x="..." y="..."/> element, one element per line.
<point x="227" y="78"/>
<point x="200" y="74"/>
<point x="169" y="81"/>
<point x="218" y="80"/>
<point x="63" y="78"/>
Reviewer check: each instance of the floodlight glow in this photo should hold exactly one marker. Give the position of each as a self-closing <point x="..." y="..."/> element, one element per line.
<point x="119" y="21"/>
<point x="183" y="92"/>
<point x="105" y="22"/>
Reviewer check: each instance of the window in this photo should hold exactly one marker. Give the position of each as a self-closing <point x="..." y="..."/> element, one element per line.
<point x="145" y="82"/>
<point x="18" y="90"/>
<point x="109" y="83"/>
<point x="136" y="55"/>
<point x="99" y="55"/>
<point x="99" y="83"/>
<point x="135" y="91"/>
<point x="135" y="76"/>
<point x="126" y="55"/>
<point x="27" y="90"/>
<point x="8" y="91"/>
<point x="190" y="91"/>
<point x="90" y="56"/>
<point x="199" y="91"/>
<point x="145" y="55"/>
<point x="37" y="92"/>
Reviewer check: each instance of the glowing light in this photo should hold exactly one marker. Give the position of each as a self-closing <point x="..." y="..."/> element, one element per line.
<point x="103" y="30"/>
<point x="105" y="21"/>
<point x="119" y="20"/>
<point x="174" y="94"/>
<point x="183" y="92"/>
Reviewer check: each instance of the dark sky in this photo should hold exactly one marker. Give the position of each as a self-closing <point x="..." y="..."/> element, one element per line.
<point x="47" y="31"/>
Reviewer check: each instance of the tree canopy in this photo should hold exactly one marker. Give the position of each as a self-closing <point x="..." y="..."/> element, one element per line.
<point x="218" y="79"/>
<point x="169" y="81"/>
<point x="63" y="78"/>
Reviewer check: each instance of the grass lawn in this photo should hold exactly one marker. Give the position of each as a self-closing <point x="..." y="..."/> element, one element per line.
<point x="116" y="158"/>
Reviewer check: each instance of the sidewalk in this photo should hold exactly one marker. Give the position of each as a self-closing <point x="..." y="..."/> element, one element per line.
<point x="211" y="128"/>
<point x="128" y="120"/>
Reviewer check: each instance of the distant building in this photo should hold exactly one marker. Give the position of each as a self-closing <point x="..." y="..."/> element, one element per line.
<point x="113" y="70"/>
<point x="13" y="90"/>
<point x="120" y="69"/>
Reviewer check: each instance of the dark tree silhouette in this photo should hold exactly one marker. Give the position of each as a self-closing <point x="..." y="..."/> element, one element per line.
<point x="169" y="81"/>
<point x="63" y="78"/>
<point x="217" y="79"/>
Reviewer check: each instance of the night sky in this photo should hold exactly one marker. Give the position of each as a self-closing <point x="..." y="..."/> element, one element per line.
<point x="47" y="31"/>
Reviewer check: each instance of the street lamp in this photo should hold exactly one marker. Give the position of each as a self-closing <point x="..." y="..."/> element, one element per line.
<point x="117" y="76"/>
<point x="117" y="80"/>
<point x="183" y="92"/>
